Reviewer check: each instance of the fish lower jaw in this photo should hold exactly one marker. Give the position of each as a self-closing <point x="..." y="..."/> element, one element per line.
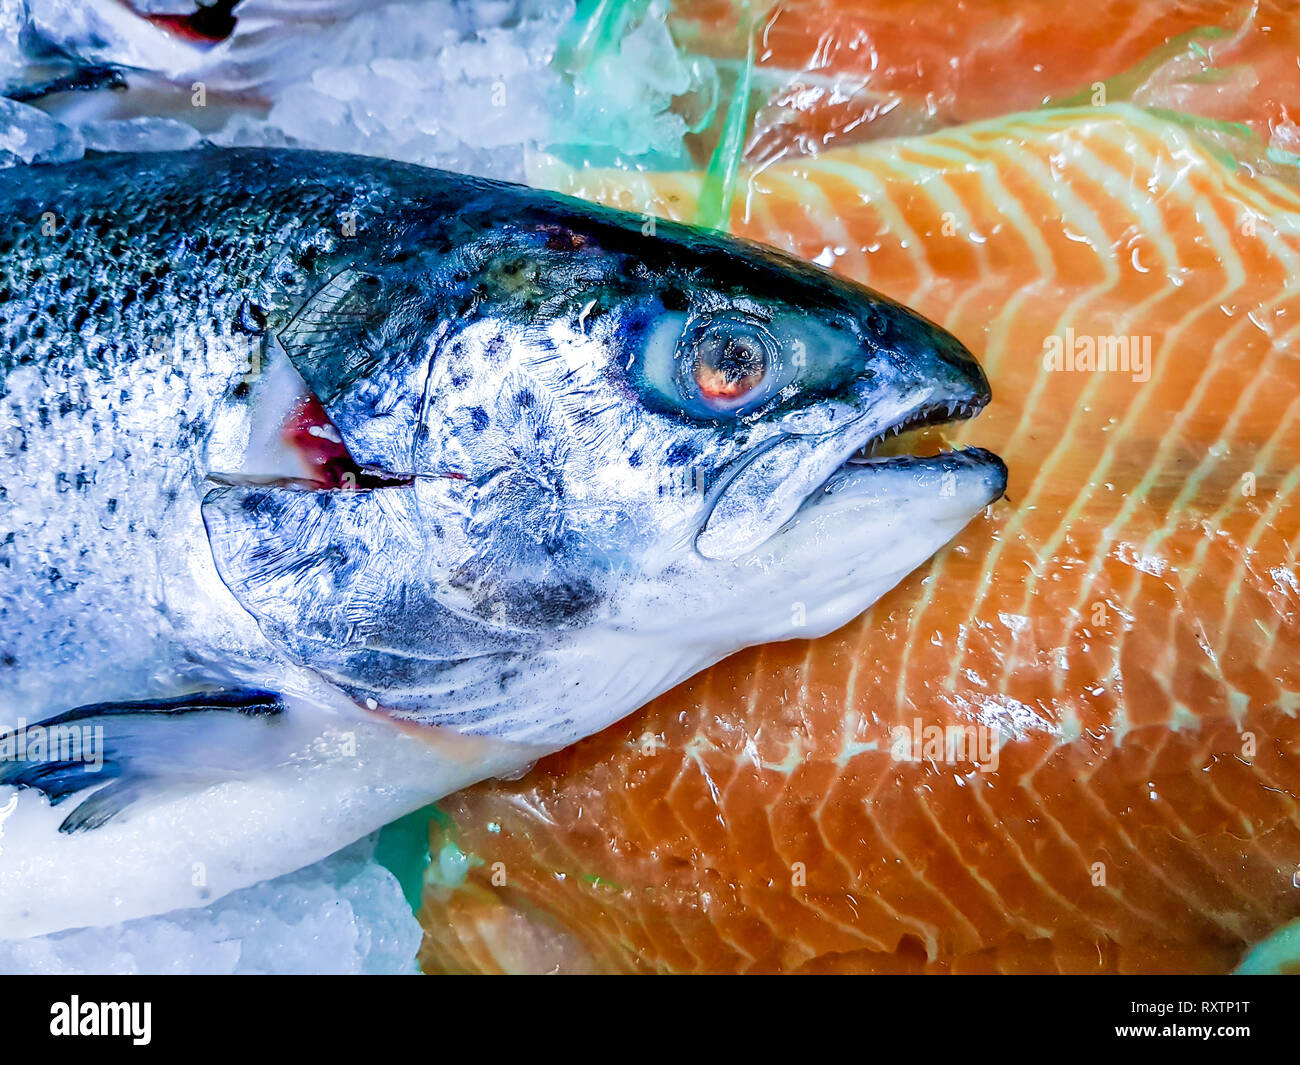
<point x="963" y="480"/>
<point x="794" y="472"/>
<point x="872" y="522"/>
<point x="856" y="537"/>
<point x="918" y="454"/>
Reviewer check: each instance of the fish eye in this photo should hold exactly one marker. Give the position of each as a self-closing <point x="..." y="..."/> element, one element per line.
<point x="729" y="361"/>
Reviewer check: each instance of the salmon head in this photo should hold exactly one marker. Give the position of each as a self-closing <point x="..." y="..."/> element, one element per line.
<point x="578" y="455"/>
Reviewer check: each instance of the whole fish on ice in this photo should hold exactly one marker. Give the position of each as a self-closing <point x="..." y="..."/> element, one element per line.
<point x="330" y="485"/>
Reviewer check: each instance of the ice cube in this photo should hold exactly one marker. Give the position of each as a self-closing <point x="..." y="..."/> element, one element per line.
<point x="13" y="17"/>
<point x="29" y="135"/>
<point x="141" y="134"/>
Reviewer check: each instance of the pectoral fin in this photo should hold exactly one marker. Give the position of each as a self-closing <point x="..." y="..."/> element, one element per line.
<point x="80" y="79"/>
<point x="123" y="750"/>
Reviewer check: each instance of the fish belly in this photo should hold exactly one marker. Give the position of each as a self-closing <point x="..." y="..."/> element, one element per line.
<point x="191" y="846"/>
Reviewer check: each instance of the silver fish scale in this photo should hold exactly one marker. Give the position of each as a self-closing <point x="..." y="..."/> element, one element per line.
<point x="120" y="324"/>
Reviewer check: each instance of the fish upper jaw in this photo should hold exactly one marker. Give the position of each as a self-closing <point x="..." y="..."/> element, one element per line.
<point x="772" y="484"/>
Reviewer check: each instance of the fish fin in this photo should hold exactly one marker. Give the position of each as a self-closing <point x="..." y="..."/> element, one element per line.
<point x="122" y="748"/>
<point x="102" y="805"/>
<point x="81" y="79"/>
<point x="330" y="327"/>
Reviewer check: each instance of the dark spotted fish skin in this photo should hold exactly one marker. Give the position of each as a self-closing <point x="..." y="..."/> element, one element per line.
<point x="128" y="289"/>
<point x="137" y="293"/>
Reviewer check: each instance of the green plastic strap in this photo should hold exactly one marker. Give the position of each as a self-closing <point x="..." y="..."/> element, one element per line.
<point x="403" y="849"/>
<point x="719" y="189"/>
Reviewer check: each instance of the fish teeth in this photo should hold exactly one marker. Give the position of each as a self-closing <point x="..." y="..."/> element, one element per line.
<point x="950" y="409"/>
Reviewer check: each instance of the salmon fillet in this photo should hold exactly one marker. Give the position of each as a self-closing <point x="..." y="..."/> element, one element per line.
<point x="1122" y="631"/>
<point x="827" y="72"/>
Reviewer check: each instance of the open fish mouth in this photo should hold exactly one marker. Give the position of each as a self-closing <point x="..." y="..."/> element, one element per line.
<point x="911" y="435"/>
<point x="880" y="455"/>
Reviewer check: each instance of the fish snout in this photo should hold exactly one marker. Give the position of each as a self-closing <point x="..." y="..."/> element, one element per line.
<point x="990" y="471"/>
<point x="959" y="369"/>
<point x="931" y="357"/>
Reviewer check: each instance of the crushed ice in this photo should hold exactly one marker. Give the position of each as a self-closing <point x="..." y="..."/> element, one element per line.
<point x="345" y="915"/>
<point x="463" y="86"/>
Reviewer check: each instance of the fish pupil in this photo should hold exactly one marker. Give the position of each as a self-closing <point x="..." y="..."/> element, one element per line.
<point x="730" y="366"/>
